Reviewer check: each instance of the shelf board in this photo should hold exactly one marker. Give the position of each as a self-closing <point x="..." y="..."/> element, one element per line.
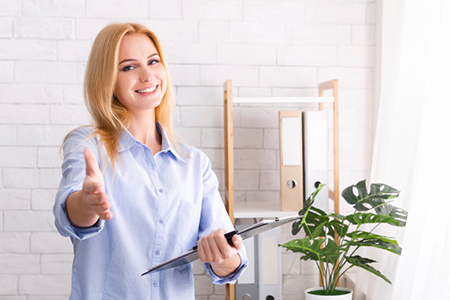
<point x="276" y="100"/>
<point x="259" y="210"/>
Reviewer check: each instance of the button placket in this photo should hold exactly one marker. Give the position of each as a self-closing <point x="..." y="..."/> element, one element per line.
<point x="158" y="184"/>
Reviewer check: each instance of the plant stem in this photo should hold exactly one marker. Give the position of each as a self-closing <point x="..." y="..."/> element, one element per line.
<point x="321" y="272"/>
<point x="374" y="228"/>
<point x="307" y="228"/>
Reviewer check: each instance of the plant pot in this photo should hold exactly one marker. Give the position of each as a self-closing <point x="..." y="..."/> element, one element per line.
<point x="347" y="296"/>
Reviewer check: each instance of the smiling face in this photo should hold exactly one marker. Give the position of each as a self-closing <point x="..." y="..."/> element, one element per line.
<point x="141" y="77"/>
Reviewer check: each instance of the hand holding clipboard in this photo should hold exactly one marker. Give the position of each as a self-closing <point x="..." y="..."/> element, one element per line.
<point x="246" y="233"/>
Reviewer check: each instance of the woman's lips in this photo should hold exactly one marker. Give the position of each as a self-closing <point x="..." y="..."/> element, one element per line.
<point x="147" y="90"/>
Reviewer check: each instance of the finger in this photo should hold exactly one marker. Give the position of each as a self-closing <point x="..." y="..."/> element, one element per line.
<point x="91" y="163"/>
<point x="95" y="197"/>
<point x="107" y="215"/>
<point x="201" y="251"/>
<point x="216" y="245"/>
<point x="203" y="248"/>
<point x="237" y="242"/>
<point x="104" y="214"/>
<point x="98" y="202"/>
<point x="102" y="209"/>
<point x="221" y="242"/>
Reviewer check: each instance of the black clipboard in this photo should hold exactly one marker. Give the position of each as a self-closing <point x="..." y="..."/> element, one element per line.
<point x="246" y="233"/>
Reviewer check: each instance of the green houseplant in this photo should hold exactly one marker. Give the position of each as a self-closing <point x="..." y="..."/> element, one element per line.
<point x="321" y="229"/>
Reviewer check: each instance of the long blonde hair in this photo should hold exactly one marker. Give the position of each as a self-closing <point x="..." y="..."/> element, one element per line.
<point x="108" y="113"/>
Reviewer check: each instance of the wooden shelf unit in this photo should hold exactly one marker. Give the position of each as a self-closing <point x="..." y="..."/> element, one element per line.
<point x="265" y="209"/>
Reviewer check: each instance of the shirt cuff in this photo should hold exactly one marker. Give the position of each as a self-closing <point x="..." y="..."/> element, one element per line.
<point x="231" y="278"/>
<point x="83" y="233"/>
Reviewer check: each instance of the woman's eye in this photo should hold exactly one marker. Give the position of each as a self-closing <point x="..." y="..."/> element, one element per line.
<point x="128" y="68"/>
<point x="153" y="61"/>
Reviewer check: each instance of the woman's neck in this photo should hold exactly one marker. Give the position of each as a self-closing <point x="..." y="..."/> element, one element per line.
<point x="144" y="130"/>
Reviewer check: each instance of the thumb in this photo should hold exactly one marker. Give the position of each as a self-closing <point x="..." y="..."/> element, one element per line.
<point x="91" y="163"/>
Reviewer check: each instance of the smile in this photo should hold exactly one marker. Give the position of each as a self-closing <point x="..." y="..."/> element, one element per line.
<point x="147" y="90"/>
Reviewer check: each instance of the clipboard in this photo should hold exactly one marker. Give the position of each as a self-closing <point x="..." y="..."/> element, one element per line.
<point x="246" y="233"/>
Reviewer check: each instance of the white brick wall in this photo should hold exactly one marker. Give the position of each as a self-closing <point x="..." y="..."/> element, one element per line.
<point x="44" y="28"/>
<point x="174" y="30"/>
<point x="28" y="49"/>
<point x="54" y="8"/>
<point x="5" y="27"/>
<point x="267" y="47"/>
<point x="117" y="9"/>
<point x="55" y="72"/>
<point x="7" y="71"/>
<point x="30" y="93"/>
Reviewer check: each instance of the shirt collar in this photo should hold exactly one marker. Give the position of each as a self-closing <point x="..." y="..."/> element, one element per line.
<point x="127" y="141"/>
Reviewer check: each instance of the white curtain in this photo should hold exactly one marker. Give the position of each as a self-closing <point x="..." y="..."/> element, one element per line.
<point x="412" y="149"/>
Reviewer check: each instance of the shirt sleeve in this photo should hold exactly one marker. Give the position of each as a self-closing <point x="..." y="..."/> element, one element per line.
<point x="214" y="216"/>
<point x="73" y="174"/>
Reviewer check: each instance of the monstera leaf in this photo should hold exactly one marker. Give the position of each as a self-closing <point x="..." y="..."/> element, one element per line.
<point x="310" y="201"/>
<point x="362" y="262"/>
<point x="297" y="226"/>
<point x="318" y="224"/>
<point x="378" y="199"/>
<point x="377" y="243"/>
<point x="368" y="218"/>
<point x="397" y="213"/>
<point x="314" y="249"/>
<point x="310" y="251"/>
<point x="339" y="227"/>
<point x="350" y="196"/>
<point x="357" y="195"/>
<point x="355" y="235"/>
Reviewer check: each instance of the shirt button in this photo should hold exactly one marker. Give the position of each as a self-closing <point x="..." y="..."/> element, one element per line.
<point x="157" y="252"/>
<point x="155" y="284"/>
<point x="161" y="190"/>
<point x="161" y="221"/>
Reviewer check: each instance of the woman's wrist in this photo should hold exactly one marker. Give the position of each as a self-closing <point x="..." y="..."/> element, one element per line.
<point x="78" y="212"/>
<point x="227" y="267"/>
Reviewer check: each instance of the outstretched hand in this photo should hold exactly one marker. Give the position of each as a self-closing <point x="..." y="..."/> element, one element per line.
<point x="93" y="192"/>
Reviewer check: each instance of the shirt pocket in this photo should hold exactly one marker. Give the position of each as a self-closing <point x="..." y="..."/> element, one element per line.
<point x="188" y="223"/>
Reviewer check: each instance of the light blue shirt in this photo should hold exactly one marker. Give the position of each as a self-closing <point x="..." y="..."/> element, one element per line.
<point x="162" y="205"/>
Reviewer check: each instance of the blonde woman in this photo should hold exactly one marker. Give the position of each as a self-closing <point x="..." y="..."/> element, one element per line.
<point x="130" y="196"/>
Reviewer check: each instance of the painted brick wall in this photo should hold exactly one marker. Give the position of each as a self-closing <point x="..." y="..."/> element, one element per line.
<point x="267" y="47"/>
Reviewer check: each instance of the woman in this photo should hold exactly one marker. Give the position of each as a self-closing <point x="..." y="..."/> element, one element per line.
<point x="130" y="196"/>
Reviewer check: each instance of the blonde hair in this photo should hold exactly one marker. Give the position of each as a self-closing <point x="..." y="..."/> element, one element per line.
<point x="108" y="114"/>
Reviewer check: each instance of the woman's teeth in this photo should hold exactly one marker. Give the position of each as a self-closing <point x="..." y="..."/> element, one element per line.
<point x="149" y="90"/>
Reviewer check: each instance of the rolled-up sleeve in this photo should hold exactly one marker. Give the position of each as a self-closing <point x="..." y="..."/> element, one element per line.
<point x="231" y="278"/>
<point x="73" y="175"/>
<point x="214" y="216"/>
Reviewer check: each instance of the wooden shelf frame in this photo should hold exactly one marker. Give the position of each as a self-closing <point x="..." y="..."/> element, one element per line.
<point x="266" y="211"/>
<point x="334" y="86"/>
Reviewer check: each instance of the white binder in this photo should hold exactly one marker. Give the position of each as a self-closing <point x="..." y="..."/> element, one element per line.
<point x="315" y="137"/>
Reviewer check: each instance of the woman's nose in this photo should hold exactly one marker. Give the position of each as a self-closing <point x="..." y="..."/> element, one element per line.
<point x="146" y="75"/>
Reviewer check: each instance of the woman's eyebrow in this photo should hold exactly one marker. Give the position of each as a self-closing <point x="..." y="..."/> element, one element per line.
<point x="133" y="59"/>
